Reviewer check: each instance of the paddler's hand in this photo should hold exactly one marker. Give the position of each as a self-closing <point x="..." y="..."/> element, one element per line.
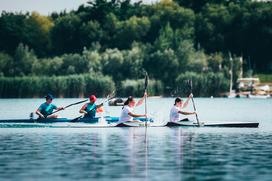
<point x="42" y="116"/>
<point x="191" y="96"/>
<point x="60" y="108"/>
<point x="145" y="94"/>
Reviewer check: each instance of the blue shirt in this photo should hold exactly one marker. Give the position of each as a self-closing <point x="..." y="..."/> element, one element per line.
<point x="47" y="109"/>
<point x="91" y="110"/>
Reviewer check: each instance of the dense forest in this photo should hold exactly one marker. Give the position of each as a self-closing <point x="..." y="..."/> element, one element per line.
<point x="109" y="44"/>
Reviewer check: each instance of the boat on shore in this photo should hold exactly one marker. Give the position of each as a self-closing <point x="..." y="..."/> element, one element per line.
<point x="116" y="102"/>
<point x="259" y="96"/>
<point x="110" y="121"/>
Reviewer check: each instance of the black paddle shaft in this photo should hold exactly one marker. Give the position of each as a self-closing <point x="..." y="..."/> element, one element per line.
<point x="191" y="87"/>
<point x="69" y="106"/>
<point x="109" y="97"/>
<point x="145" y="86"/>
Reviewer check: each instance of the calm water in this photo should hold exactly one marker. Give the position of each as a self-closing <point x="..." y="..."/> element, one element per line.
<point x="42" y="153"/>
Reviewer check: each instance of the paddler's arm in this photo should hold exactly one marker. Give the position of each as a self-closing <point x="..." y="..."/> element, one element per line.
<point x="141" y="100"/>
<point x="82" y="110"/>
<point x="39" y="113"/>
<point x="186" y="113"/>
<point x="187" y="101"/>
<point x="136" y="115"/>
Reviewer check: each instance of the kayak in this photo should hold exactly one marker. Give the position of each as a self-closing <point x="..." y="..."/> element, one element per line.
<point x="188" y="123"/>
<point x="110" y="121"/>
<point x="139" y="124"/>
<point x="228" y="124"/>
<point x="47" y="120"/>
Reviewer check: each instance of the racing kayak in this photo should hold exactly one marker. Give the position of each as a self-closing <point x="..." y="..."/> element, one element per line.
<point x="108" y="119"/>
<point x="172" y="124"/>
<point x="113" y="122"/>
<point x="187" y="123"/>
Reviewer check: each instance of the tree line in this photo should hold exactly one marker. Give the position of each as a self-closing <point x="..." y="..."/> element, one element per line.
<point x="171" y="40"/>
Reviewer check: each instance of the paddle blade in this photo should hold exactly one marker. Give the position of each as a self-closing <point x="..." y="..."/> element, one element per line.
<point x="184" y="89"/>
<point x="191" y="85"/>
<point x="100" y="110"/>
<point x="111" y="96"/>
<point x="146" y="81"/>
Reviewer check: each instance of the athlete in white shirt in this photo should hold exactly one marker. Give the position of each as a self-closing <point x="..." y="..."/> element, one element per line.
<point x="177" y="109"/>
<point x="127" y="111"/>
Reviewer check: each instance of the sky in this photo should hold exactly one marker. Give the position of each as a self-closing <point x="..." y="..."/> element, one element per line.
<point x="44" y="7"/>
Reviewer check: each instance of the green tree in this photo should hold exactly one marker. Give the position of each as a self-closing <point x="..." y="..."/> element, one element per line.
<point x="185" y="54"/>
<point x="165" y="39"/>
<point x="112" y="61"/>
<point x="90" y="32"/>
<point x="48" y="66"/>
<point x="257" y="35"/>
<point x="204" y="84"/>
<point x="215" y="61"/>
<point x="168" y="12"/>
<point x="38" y="29"/>
<point x="23" y="60"/>
<point x="198" y="5"/>
<point x="198" y="62"/>
<point x="109" y="30"/>
<point x="65" y="34"/>
<point x="94" y="60"/>
<point x="99" y="9"/>
<point x="75" y="64"/>
<point x="133" y="29"/>
<point x="12" y="31"/>
<point x="133" y="61"/>
<point x="211" y="26"/>
<point x="163" y="65"/>
<point x="5" y="64"/>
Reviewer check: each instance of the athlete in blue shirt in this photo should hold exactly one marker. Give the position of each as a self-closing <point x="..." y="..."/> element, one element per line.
<point x="46" y="109"/>
<point x="89" y="109"/>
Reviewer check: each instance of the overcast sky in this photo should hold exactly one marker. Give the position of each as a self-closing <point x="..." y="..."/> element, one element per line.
<point x="44" y="7"/>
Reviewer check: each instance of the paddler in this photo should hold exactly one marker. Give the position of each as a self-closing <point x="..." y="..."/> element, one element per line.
<point x="176" y="110"/>
<point x="127" y="114"/>
<point x="89" y="109"/>
<point x="46" y="109"/>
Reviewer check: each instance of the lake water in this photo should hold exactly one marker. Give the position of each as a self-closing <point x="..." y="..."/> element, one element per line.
<point x="71" y="153"/>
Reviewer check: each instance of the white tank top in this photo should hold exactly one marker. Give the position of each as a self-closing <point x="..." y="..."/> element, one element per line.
<point x="174" y="114"/>
<point x="124" y="117"/>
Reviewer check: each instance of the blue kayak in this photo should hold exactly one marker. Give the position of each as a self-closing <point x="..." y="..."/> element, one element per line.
<point x="108" y="119"/>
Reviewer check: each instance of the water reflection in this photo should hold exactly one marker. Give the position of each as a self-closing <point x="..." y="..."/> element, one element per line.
<point x="134" y="154"/>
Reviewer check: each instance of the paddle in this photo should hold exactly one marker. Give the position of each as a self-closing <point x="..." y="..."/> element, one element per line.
<point x="145" y="89"/>
<point x="68" y="106"/>
<point x="109" y="97"/>
<point x="191" y="90"/>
